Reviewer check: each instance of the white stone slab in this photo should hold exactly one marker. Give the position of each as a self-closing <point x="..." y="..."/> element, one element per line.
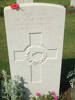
<point x="72" y="3"/>
<point x="35" y="35"/>
<point x="24" y="1"/>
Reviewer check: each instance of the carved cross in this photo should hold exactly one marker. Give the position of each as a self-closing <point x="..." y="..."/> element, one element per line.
<point x="35" y="54"/>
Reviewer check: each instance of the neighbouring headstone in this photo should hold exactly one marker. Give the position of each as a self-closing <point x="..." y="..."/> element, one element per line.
<point x="72" y="3"/>
<point x="24" y="1"/>
<point x="35" y="34"/>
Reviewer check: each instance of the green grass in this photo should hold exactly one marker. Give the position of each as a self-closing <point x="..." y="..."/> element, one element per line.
<point x="3" y="48"/>
<point x="61" y="2"/>
<point x="69" y="37"/>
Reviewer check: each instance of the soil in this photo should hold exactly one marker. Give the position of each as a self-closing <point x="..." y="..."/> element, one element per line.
<point x="67" y="94"/>
<point x="1" y="16"/>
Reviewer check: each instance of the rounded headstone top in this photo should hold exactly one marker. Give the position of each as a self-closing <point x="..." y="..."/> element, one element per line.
<point x="38" y="5"/>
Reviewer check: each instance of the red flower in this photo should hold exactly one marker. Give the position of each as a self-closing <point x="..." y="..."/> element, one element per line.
<point x="14" y="6"/>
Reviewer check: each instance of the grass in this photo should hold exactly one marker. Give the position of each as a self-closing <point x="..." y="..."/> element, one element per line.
<point x="61" y="2"/>
<point x="3" y="47"/>
<point x="69" y="37"/>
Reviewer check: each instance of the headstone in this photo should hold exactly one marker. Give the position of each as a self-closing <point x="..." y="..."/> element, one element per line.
<point x="24" y="1"/>
<point x="72" y="3"/>
<point x="35" y="35"/>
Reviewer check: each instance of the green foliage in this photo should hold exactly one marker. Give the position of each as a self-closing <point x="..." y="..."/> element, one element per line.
<point x="4" y="3"/>
<point x="13" y="89"/>
<point x="1" y="79"/>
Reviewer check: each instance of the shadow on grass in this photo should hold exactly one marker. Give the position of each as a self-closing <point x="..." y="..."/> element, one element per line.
<point x="67" y="66"/>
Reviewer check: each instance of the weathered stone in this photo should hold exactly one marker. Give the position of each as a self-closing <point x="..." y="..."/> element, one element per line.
<point x="72" y="3"/>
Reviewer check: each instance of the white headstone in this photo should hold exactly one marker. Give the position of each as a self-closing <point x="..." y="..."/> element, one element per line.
<point x="24" y="1"/>
<point x="72" y="3"/>
<point x="35" y="35"/>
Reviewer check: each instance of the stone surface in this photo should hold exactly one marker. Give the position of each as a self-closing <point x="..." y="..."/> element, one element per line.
<point x="35" y="34"/>
<point x="72" y="3"/>
<point x="24" y="1"/>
